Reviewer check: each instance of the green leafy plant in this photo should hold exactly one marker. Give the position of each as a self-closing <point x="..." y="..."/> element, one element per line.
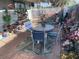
<point x="6" y="17"/>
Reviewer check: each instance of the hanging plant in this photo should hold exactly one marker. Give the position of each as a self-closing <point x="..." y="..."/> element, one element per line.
<point x="6" y="17"/>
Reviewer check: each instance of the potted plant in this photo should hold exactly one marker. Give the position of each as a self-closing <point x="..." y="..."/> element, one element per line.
<point x="6" y="17"/>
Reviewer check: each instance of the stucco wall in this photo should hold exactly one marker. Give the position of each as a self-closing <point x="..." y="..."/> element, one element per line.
<point x="4" y="3"/>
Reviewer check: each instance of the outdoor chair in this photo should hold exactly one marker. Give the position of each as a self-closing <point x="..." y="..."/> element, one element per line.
<point x="38" y="40"/>
<point x="52" y="35"/>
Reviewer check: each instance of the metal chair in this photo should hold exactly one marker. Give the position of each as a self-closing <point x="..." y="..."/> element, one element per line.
<point x="52" y="35"/>
<point x="37" y="39"/>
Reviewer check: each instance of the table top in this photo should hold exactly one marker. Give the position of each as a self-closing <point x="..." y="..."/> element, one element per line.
<point x="46" y="28"/>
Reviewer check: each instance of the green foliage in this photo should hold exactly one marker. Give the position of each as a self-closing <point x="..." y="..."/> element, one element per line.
<point x="6" y="17"/>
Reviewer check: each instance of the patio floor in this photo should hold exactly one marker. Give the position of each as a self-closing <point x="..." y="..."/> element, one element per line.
<point x="10" y="51"/>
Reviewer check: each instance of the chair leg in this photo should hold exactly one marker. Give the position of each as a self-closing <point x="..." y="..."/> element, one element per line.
<point x="33" y="47"/>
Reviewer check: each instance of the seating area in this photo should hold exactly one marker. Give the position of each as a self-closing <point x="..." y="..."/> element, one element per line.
<point x="38" y="29"/>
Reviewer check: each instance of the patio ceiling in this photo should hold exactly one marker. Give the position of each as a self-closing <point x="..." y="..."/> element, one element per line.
<point x="34" y="0"/>
<point x="54" y="2"/>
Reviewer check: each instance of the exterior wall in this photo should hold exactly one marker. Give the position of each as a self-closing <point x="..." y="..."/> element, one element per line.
<point x="4" y="3"/>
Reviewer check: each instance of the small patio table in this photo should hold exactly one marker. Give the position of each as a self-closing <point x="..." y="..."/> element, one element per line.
<point x="45" y="29"/>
